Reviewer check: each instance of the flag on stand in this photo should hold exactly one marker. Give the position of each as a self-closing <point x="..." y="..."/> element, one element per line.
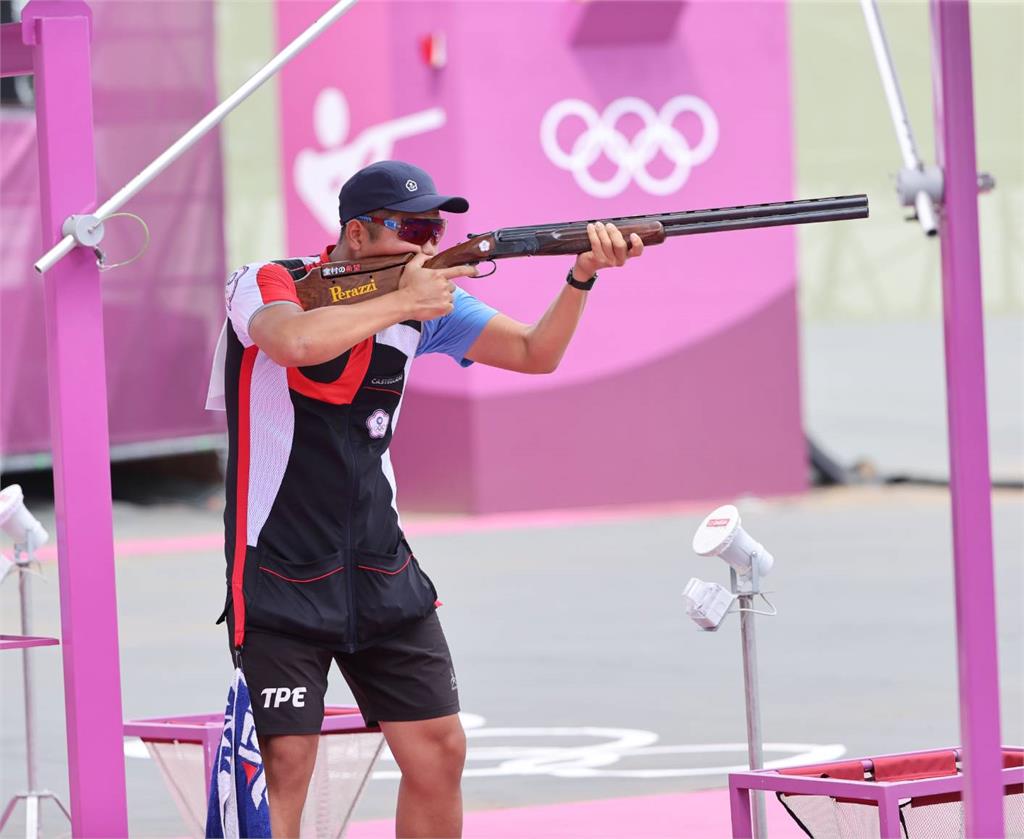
<point x="238" y="788"/>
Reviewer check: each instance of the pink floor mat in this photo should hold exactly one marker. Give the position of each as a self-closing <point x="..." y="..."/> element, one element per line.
<point x="694" y="815"/>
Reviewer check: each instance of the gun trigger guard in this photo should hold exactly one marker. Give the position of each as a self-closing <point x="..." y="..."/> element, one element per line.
<point x="494" y="267"/>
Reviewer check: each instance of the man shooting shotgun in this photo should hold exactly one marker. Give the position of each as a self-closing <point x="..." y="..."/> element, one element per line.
<point x="318" y="568"/>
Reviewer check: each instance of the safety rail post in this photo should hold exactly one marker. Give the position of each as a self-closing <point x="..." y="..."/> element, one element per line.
<point x="969" y="479"/>
<point x="60" y="35"/>
<point x="739" y="809"/>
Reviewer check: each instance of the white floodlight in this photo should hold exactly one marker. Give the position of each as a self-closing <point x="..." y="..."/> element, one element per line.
<point x="707" y="603"/>
<point x="720" y="535"/>
<point x="17" y="522"/>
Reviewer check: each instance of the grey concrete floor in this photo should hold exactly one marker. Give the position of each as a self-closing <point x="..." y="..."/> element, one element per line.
<point x="583" y="625"/>
<point x="875" y="392"/>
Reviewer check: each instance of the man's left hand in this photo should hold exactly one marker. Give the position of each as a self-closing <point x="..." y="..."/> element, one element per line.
<point x="608" y="249"/>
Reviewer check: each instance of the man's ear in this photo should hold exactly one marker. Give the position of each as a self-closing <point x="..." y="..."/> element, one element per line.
<point x="354" y="235"/>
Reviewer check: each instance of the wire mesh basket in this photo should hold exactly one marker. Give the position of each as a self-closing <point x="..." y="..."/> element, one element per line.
<point x="918" y="795"/>
<point x="185" y="747"/>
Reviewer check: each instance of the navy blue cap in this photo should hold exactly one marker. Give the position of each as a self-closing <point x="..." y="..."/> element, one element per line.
<point x="393" y="185"/>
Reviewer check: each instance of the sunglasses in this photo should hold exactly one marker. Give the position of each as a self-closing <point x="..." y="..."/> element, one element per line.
<point x="419" y="231"/>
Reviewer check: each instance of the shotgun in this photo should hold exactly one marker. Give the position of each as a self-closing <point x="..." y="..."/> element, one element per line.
<point x="338" y="283"/>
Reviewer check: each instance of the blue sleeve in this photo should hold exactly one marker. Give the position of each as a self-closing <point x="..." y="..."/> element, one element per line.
<point x="455" y="333"/>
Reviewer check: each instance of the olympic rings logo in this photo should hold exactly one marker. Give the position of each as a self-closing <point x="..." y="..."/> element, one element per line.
<point x="601" y="136"/>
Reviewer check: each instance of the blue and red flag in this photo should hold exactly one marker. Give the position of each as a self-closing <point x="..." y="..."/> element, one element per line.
<point x="238" y="787"/>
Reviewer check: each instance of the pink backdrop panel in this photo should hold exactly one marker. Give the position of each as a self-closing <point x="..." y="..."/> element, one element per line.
<point x="682" y="381"/>
<point x="154" y="77"/>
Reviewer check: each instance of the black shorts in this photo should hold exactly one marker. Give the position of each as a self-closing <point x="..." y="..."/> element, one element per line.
<point x="407" y="677"/>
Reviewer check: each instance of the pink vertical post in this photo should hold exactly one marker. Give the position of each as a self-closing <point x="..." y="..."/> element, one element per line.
<point x="889" y="815"/>
<point x="739" y="810"/>
<point x="970" y="484"/>
<point x="60" y="33"/>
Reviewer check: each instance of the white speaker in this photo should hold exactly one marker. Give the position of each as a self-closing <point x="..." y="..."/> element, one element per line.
<point x="18" y="523"/>
<point x="721" y="535"/>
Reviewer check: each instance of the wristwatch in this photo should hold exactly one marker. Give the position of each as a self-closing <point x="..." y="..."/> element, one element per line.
<point x="589" y="284"/>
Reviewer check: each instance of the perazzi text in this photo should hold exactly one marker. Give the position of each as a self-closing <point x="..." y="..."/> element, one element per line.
<point x="339" y="294"/>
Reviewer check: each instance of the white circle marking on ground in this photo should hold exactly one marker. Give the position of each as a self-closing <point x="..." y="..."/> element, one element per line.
<point x="595" y="760"/>
<point x="588" y="760"/>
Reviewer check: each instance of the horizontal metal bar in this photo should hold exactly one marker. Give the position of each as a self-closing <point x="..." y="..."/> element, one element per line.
<point x="15" y="56"/>
<point x="20" y="642"/>
<point x="866" y="790"/>
<point x="891" y="85"/>
<point x="192" y="728"/>
<point x="194" y="134"/>
<point x="925" y="204"/>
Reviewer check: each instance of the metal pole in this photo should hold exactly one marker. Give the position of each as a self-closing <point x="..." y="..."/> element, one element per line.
<point x="969" y="479"/>
<point x="24" y="594"/>
<point x="194" y="134"/>
<point x="898" y="111"/>
<point x="33" y="816"/>
<point x="33" y="795"/>
<point x="897" y="107"/>
<point x="755" y="750"/>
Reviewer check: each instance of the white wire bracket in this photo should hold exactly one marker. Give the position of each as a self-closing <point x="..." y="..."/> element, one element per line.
<point x="101" y="257"/>
<point x="764" y="597"/>
<point x="88" y="231"/>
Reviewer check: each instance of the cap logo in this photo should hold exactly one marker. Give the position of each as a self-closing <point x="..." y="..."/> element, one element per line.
<point x="411" y="185"/>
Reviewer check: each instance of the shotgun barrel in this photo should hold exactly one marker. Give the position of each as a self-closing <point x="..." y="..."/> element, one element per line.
<point x="570" y="237"/>
<point x="804" y="211"/>
<point x="766" y="215"/>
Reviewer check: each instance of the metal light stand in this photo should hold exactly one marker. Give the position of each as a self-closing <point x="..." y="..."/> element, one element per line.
<point x="745" y="590"/>
<point x="24" y="556"/>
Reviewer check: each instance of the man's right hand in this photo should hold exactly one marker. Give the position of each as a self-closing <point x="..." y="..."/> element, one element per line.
<point x="429" y="292"/>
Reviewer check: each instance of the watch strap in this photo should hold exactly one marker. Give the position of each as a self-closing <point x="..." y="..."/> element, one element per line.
<point x="584" y="286"/>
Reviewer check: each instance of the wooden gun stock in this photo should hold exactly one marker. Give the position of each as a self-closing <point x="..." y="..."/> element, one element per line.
<point x="339" y="283"/>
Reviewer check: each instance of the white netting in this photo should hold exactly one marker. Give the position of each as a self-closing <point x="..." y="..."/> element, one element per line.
<point x="343" y="765"/>
<point x="183" y="770"/>
<point x="924" y="819"/>
<point x="825" y="818"/>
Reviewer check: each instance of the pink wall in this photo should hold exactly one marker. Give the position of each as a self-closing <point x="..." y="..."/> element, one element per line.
<point x="154" y="77"/>
<point x="683" y="380"/>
